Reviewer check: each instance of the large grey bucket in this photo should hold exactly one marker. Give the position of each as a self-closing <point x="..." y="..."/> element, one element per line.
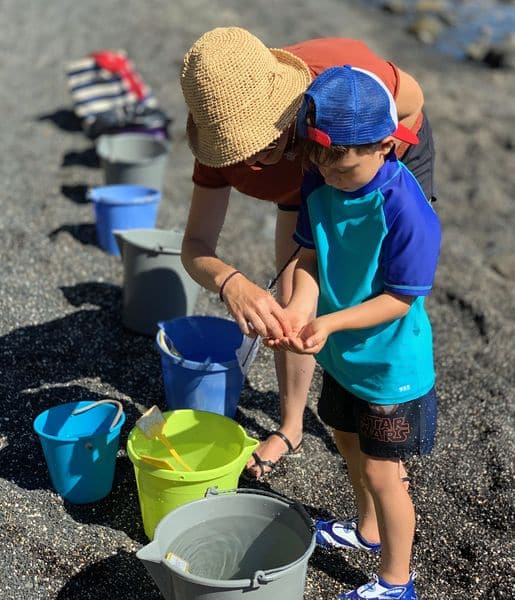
<point x="156" y="287"/>
<point x="133" y="158"/>
<point x="237" y="544"/>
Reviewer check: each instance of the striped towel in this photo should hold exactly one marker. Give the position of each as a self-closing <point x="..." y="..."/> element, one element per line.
<point x="104" y="81"/>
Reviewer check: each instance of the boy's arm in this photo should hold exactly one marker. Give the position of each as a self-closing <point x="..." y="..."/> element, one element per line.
<point x="305" y="284"/>
<point x="381" y="309"/>
<point x="301" y="308"/>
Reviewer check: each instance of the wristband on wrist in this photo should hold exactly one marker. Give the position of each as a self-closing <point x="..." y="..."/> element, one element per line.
<point x="230" y="276"/>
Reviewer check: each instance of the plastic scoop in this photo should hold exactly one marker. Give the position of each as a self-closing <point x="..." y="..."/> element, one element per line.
<point x="151" y="423"/>
<point x="160" y="463"/>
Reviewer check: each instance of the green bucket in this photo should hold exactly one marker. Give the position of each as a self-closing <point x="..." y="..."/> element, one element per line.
<point x="214" y="446"/>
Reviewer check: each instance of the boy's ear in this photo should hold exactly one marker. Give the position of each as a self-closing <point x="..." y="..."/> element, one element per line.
<point x="387" y="144"/>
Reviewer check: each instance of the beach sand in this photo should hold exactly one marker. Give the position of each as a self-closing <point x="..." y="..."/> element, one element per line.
<point x="62" y="338"/>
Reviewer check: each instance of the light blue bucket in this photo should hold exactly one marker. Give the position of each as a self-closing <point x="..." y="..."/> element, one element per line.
<point x="122" y="207"/>
<point x="199" y="364"/>
<point x="80" y="441"/>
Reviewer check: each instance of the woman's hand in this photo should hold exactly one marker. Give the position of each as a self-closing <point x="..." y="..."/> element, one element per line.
<point x="297" y="320"/>
<point x="255" y="310"/>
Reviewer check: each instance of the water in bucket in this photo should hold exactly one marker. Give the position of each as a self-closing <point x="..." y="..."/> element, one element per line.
<point x="155" y="284"/>
<point x="239" y="542"/>
<point x="215" y="447"/>
<point x="122" y="207"/>
<point x="199" y="364"/>
<point x="227" y="548"/>
<point x="80" y="441"/>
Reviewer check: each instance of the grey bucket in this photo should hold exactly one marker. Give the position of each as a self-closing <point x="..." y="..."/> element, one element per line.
<point x="232" y="544"/>
<point x="156" y="287"/>
<point x="133" y="158"/>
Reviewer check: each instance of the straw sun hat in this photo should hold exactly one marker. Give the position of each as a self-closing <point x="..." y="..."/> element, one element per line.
<point x="241" y="95"/>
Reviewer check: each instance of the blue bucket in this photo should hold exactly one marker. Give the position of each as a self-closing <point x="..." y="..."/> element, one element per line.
<point x="122" y="207"/>
<point x="199" y="364"/>
<point x="80" y="449"/>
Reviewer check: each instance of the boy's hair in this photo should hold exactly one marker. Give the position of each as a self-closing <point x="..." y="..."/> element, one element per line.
<point x="347" y="106"/>
<point x="313" y="154"/>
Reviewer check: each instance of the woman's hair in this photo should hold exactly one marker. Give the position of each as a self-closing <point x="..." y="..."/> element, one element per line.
<point x="313" y="154"/>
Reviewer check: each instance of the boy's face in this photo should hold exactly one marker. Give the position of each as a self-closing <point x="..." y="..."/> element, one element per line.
<point x="354" y="170"/>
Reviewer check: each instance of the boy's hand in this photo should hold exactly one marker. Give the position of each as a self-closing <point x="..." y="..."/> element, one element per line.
<point x="296" y="321"/>
<point x="313" y="336"/>
<point x="309" y="340"/>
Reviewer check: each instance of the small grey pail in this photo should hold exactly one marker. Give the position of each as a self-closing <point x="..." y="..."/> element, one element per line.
<point x="156" y="287"/>
<point x="234" y="544"/>
<point x="135" y="158"/>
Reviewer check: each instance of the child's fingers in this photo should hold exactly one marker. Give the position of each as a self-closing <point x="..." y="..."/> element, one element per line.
<point x="314" y="343"/>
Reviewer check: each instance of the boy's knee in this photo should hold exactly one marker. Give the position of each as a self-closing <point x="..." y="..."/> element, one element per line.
<point x="380" y="475"/>
<point x="347" y="443"/>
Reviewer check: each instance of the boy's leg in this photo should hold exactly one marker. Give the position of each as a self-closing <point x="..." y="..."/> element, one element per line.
<point x="395" y="516"/>
<point x="348" y="446"/>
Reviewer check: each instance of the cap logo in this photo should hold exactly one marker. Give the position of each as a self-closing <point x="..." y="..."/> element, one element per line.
<point x="319" y="136"/>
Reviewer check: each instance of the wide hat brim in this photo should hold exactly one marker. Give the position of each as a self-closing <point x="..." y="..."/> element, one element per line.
<point x="259" y="122"/>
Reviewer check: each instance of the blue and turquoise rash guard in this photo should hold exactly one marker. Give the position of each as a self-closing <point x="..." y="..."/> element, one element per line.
<point x="383" y="237"/>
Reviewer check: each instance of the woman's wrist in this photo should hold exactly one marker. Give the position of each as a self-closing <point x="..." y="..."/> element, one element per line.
<point x="225" y="281"/>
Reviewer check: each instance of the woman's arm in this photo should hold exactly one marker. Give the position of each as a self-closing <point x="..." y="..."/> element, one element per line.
<point x="205" y="221"/>
<point x="248" y="303"/>
<point x="410" y="99"/>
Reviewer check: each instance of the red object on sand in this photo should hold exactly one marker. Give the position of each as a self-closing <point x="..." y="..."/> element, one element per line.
<point x="118" y="63"/>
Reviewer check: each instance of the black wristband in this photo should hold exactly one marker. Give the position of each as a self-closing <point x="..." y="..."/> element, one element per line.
<point x="230" y="276"/>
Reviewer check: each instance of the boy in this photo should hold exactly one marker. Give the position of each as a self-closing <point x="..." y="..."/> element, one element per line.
<point x="370" y="248"/>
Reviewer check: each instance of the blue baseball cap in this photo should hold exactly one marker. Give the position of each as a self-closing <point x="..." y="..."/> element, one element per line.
<point x="351" y="107"/>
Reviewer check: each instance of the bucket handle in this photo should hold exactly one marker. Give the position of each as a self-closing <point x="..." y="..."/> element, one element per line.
<point x="214" y="491"/>
<point x="117" y="417"/>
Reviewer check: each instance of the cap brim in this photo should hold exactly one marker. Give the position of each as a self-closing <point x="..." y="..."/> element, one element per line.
<point x="404" y="134"/>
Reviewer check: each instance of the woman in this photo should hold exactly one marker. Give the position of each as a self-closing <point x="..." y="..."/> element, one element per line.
<point x="243" y="99"/>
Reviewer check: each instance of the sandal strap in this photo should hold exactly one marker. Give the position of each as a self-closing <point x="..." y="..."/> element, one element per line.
<point x="262" y="463"/>
<point x="289" y="445"/>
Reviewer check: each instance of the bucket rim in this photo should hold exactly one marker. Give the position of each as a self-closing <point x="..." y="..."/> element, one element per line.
<point x="133" y="134"/>
<point x="36" y="424"/>
<point x="212" y="367"/>
<point x="148" y="195"/>
<point x="232" y="583"/>
<point x="147" y="247"/>
<point x="104" y="139"/>
<point x="195" y="476"/>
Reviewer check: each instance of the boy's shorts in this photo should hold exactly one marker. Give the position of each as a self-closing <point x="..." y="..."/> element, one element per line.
<point x="385" y="431"/>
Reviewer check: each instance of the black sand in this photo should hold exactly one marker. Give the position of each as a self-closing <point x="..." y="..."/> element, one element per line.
<point x="62" y="339"/>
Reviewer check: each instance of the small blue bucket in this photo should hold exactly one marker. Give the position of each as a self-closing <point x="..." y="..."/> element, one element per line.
<point x="80" y="441"/>
<point x="199" y="364"/>
<point x="122" y="207"/>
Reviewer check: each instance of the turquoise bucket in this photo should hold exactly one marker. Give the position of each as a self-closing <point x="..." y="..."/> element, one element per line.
<point x="80" y="441"/>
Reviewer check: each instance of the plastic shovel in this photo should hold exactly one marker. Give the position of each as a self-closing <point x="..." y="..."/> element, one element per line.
<point x="160" y="463"/>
